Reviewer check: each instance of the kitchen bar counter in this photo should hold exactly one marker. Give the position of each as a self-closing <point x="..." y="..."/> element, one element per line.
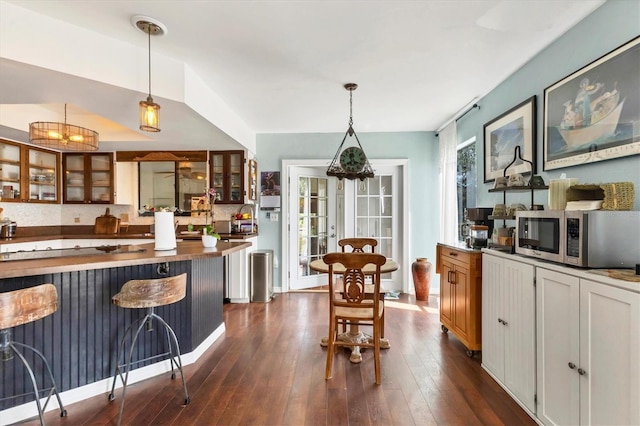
<point x="81" y="338"/>
<point x="186" y="250"/>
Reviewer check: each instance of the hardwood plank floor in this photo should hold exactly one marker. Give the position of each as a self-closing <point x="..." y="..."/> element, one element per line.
<point x="268" y="369"/>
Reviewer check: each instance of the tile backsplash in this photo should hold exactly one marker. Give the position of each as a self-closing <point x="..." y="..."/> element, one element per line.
<point x="32" y="214"/>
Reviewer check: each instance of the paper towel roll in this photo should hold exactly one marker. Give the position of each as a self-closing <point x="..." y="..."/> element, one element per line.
<point x="165" y="231"/>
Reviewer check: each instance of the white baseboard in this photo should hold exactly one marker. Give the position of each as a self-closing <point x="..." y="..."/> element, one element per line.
<point x="71" y="396"/>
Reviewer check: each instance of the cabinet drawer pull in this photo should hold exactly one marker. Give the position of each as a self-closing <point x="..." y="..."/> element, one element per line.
<point x="581" y="372"/>
<point x="572" y="366"/>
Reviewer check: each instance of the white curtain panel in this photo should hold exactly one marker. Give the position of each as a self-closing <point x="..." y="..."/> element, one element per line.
<point x="448" y="184"/>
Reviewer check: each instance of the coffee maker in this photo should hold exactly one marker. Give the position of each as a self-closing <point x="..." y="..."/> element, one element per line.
<point x="477" y="226"/>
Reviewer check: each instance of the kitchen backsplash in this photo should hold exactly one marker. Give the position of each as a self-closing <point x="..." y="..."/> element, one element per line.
<point x="31" y="214"/>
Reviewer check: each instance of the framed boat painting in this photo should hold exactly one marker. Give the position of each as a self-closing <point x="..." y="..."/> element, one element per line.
<point x="594" y="114"/>
<point x="514" y="128"/>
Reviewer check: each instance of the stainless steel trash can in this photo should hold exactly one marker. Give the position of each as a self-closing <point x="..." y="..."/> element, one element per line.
<point x="261" y="275"/>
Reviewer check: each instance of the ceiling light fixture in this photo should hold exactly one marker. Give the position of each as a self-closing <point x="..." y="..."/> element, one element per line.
<point x="149" y="110"/>
<point x="63" y="136"/>
<point x="352" y="163"/>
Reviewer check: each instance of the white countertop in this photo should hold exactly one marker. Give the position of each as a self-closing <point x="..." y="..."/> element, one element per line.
<point x="598" y="275"/>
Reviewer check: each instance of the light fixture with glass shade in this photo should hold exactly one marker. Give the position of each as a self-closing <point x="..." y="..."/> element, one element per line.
<point x="63" y="136"/>
<point x="149" y="110"/>
<point x="352" y="162"/>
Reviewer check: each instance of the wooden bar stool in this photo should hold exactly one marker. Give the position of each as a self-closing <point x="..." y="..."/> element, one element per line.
<point x="148" y="294"/>
<point x="21" y="307"/>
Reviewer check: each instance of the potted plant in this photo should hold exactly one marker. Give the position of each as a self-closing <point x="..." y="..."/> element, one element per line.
<point x="209" y="236"/>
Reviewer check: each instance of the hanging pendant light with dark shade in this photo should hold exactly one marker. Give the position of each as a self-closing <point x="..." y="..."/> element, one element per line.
<point x="352" y="162"/>
<point x="149" y="110"/>
<point x="63" y="136"/>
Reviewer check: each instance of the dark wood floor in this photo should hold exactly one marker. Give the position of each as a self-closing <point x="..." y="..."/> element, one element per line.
<point x="268" y="369"/>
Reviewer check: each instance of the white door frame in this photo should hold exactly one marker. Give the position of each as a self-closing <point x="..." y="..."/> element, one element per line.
<point x="405" y="267"/>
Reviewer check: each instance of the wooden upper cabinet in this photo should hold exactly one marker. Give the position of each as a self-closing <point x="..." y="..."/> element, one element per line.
<point x="28" y="174"/>
<point x="88" y="178"/>
<point x="227" y="174"/>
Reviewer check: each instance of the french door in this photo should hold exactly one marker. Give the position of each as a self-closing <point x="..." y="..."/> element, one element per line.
<point x="321" y="210"/>
<point x="312" y="214"/>
<point x="375" y="212"/>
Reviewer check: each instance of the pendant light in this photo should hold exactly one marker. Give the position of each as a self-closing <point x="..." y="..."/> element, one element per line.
<point x="352" y="163"/>
<point x="63" y="136"/>
<point x="149" y="110"/>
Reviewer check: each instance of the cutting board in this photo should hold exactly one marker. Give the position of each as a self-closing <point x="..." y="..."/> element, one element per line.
<point x="106" y="224"/>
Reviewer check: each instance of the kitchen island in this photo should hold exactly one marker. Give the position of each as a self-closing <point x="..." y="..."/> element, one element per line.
<point x="80" y="339"/>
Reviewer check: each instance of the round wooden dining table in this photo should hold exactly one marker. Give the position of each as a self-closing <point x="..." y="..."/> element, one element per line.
<point x="354" y="335"/>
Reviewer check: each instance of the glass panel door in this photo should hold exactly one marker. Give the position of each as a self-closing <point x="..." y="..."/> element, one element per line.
<point x="74" y="177"/>
<point x="313" y="215"/>
<point x="101" y="178"/>
<point x="9" y="171"/>
<point x="43" y="173"/>
<point x="374" y="213"/>
<point x="236" y="175"/>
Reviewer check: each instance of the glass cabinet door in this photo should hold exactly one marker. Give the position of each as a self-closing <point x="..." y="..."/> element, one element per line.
<point x="43" y="175"/>
<point x="74" y="174"/>
<point x="101" y="175"/>
<point x="236" y="174"/>
<point x="217" y="175"/>
<point x="227" y="174"/>
<point x="10" y="171"/>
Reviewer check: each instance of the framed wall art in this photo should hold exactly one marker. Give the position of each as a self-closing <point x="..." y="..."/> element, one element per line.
<point x="516" y="127"/>
<point x="594" y="114"/>
<point x="269" y="190"/>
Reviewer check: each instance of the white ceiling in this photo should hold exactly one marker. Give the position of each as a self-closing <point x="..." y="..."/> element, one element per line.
<point x="280" y="66"/>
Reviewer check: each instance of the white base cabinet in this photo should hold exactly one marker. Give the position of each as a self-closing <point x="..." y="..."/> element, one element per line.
<point x="588" y="340"/>
<point x="238" y="277"/>
<point x="508" y="327"/>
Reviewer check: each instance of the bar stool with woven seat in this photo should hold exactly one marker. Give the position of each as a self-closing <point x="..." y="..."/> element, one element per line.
<point x="21" y="307"/>
<point x="149" y="294"/>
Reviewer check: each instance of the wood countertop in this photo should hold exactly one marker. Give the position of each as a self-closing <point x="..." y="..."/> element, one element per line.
<point x="123" y="236"/>
<point x="186" y="250"/>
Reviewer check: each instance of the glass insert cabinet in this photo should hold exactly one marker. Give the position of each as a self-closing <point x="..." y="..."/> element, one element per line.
<point x="88" y="178"/>
<point x="28" y="174"/>
<point x="227" y="176"/>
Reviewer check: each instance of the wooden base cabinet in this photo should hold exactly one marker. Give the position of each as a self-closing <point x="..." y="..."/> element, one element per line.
<point x="508" y="327"/>
<point x="460" y="291"/>
<point x="588" y="339"/>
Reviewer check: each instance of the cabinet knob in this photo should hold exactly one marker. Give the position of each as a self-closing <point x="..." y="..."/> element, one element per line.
<point x="581" y="372"/>
<point x="504" y="322"/>
<point x="572" y="366"/>
<point x="500" y="320"/>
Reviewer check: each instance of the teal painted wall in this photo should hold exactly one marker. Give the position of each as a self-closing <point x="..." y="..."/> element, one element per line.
<point x="608" y="27"/>
<point x="421" y="148"/>
<point x="611" y="25"/>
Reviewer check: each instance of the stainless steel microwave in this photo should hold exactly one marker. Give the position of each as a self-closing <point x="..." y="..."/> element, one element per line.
<point x="540" y="234"/>
<point x="588" y="239"/>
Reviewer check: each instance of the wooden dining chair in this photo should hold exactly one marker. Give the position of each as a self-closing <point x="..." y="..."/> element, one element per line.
<point x="358" y="245"/>
<point x="354" y="305"/>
